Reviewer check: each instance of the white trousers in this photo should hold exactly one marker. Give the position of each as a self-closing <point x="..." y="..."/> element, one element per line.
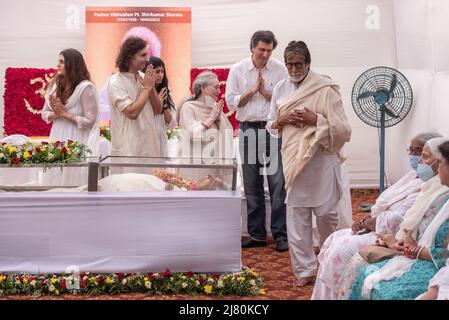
<point x="299" y="232"/>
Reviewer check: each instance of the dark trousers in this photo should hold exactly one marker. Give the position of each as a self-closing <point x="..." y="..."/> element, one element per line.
<point x="258" y="149"/>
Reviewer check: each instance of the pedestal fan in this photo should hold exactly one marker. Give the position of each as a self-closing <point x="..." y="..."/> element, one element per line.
<point x="382" y="97"/>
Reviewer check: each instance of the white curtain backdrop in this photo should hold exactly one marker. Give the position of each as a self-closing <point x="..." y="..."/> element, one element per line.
<point x="345" y="37"/>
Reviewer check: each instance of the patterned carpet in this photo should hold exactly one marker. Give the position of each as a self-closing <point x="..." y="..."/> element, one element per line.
<point x="274" y="267"/>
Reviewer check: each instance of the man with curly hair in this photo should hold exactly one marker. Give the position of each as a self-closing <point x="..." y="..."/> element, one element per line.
<point x="133" y="126"/>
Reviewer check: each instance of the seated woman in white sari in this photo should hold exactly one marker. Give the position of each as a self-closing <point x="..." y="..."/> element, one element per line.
<point x="71" y="104"/>
<point x="407" y="274"/>
<point x="386" y="215"/>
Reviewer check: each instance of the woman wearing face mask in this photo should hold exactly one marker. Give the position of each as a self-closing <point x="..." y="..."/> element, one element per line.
<point x="204" y="130"/>
<point x="422" y="238"/>
<point x="385" y="217"/>
<point x="167" y="118"/>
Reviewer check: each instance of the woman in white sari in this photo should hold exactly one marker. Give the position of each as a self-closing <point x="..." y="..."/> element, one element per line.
<point x="205" y="131"/>
<point x="407" y="274"/>
<point x="386" y="216"/>
<point x="71" y="104"/>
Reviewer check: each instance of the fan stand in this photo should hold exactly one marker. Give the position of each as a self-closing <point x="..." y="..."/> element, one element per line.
<point x="382" y="150"/>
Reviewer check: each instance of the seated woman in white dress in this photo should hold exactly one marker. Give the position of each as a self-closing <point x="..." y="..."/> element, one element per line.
<point x="386" y="216"/>
<point x="71" y="105"/>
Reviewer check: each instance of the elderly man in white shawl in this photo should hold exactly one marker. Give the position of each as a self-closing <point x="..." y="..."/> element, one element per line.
<point x="386" y="216"/>
<point x="414" y="262"/>
<point x="307" y="110"/>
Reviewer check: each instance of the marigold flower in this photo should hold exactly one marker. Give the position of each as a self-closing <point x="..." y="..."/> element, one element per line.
<point x="208" y="289"/>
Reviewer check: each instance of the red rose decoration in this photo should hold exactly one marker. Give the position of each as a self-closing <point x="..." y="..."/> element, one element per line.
<point x="83" y="283"/>
<point x="62" y="284"/>
<point x="23" y="104"/>
<point x="190" y="274"/>
<point x="120" y="276"/>
<point x="166" y="273"/>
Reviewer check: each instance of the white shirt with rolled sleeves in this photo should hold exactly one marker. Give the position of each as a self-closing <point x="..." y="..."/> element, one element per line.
<point x="242" y="76"/>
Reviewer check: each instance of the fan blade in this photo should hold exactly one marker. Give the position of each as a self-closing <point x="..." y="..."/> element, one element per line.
<point x="366" y="94"/>
<point x="393" y="83"/>
<point x="389" y="112"/>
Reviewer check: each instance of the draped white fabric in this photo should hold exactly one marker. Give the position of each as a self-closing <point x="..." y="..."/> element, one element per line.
<point x="345" y="37"/>
<point x="120" y="232"/>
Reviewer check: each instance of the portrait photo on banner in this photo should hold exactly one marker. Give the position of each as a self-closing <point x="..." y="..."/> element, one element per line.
<point x="167" y="30"/>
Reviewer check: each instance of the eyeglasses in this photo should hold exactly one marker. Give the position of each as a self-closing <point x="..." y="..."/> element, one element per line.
<point x="414" y="152"/>
<point x="297" y="65"/>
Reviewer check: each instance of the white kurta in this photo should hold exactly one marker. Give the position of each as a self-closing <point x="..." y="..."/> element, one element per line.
<point x="316" y="189"/>
<point x="131" y="137"/>
<point x="83" y="103"/>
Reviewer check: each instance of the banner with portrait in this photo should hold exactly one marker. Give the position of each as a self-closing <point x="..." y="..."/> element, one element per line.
<point x="168" y="34"/>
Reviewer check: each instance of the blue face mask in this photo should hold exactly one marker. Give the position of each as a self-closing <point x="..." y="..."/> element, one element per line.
<point x="425" y="171"/>
<point x="413" y="161"/>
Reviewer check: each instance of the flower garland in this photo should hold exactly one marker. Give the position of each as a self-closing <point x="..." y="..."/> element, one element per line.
<point x="42" y="152"/>
<point x="222" y="74"/>
<point x="24" y="99"/>
<point x="105" y="132"/>
<point x="244" y="283"/>
<point x="175" y="180"/>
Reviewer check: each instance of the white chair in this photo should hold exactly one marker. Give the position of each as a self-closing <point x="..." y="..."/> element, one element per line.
<point x="16" y="139"/>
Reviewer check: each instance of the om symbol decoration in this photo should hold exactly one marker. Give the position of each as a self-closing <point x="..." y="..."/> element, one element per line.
<point x="40" y="91"/>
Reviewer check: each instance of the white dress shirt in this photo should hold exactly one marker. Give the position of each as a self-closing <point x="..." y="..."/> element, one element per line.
<point x="243" y="76"/>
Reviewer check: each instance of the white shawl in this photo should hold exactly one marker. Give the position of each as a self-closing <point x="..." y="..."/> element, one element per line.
<point x="430" y="190"/>
<point x="408" y="184"/>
